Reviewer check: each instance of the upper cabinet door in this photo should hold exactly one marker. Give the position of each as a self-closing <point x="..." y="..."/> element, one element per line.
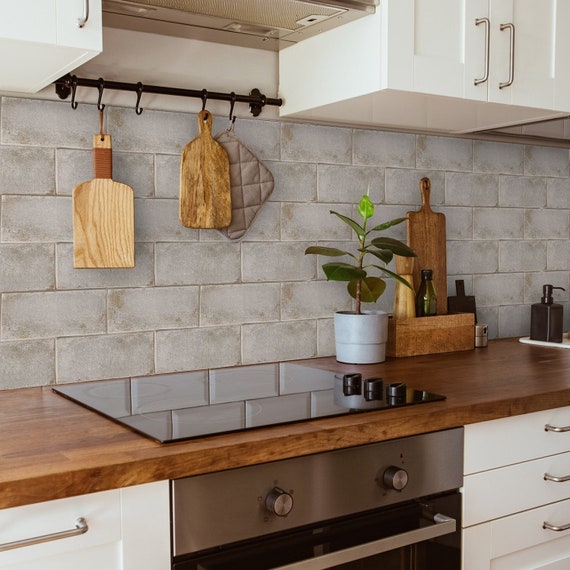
<point x="562" y="65"/>
<point x="28" y="19"/>
<point x="69" y="33"/>
<point x="524" y="46"/>
<point x="447" y="49"/>
<point x="45" y="40"/>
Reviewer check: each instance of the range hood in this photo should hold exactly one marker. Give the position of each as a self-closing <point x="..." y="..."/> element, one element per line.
<point x="261" y="24"/>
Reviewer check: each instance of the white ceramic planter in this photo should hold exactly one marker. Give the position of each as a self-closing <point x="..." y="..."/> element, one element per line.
<point x="361" y="339"/>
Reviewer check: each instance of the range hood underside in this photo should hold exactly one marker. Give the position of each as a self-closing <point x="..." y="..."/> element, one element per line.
<point x="261" y="24"/>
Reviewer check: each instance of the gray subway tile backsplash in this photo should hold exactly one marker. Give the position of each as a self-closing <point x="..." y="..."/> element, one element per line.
<point x="195" y="299"/>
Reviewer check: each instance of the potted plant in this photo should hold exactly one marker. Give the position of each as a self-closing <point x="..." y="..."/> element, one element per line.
<point x="361" y="335"/>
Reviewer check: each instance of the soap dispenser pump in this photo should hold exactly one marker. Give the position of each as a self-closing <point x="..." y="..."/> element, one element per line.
<point x="546" y="317"/>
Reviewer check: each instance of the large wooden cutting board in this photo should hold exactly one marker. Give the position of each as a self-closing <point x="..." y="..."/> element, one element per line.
<point x="426" y="236"/>
<point x="205" y="190"/>
<point x="103" y="216"/>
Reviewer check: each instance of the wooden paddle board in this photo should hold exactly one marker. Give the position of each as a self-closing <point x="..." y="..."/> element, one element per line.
<point x="103" y="216"/>
<point x="461" y="303"/>
<point x="426" y="236"/>
<point x="205" y="190"/>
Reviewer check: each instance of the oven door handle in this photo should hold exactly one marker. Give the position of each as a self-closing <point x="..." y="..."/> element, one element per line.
<point x="442" y="525"/>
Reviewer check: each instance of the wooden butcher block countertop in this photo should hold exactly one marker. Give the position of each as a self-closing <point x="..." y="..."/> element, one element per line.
<point x="52" y="448"/>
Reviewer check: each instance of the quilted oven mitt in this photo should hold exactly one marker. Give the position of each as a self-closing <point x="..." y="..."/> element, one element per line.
<point x="251" y="184"/>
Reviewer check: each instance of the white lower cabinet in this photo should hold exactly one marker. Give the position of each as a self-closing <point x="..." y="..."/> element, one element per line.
<point x="516" y="503"/>
<point x="127" y="529"/>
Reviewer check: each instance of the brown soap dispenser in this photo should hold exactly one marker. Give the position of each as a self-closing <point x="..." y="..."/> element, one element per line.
<point x="546" y="317"/>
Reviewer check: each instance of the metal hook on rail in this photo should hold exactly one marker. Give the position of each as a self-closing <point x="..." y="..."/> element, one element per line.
<point x="138" y="109"/>
<point x="232" y="104"/>
<point x="204" y="97"/>
<point x="100" y="87"/>
<point x="73" y="92"/>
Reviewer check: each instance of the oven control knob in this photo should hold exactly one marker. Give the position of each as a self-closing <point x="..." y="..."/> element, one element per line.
<point x="279" y="502"/>
<point x="395" y="478"/>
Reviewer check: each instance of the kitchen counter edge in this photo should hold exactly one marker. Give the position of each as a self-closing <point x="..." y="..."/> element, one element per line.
<point x="53" y="448"/>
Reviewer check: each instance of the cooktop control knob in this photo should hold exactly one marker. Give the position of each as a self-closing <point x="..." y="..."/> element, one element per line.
<point x="395" y="478"/>
<point x="279" y="502"/>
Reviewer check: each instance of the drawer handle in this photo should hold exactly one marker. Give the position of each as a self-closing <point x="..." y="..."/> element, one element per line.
<point x="83" y="20"/>
<point x="81" y="527"/>
<point x="556" y="479"/>
<point x="556" y="429"/>
<point x="555" y="528"/>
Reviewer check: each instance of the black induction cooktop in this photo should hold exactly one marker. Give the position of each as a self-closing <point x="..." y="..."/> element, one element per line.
<point x="178" y="407"/>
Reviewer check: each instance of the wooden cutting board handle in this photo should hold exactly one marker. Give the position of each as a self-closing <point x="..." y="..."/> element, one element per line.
<point x="102" y="156"/>
<point x="425" y="190"/>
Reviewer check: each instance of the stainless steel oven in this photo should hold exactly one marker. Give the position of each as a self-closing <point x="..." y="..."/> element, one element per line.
<point x="391" y="505"/>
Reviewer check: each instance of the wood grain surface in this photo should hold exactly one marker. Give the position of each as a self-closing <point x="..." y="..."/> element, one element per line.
<point x="205" y="190"/>
<point x="52" y="448"/>
<point x="404" y="297"/>
<point x="427" y="237"/>
<point x="103" y="216"/>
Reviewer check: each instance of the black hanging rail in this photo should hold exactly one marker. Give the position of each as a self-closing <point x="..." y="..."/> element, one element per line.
<point x="68" y="84"/>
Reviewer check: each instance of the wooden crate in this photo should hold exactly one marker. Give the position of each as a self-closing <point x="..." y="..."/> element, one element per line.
<point x="430" y="335"/>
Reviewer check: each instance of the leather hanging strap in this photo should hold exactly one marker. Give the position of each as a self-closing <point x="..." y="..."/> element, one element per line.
<point x="102" y="152"/>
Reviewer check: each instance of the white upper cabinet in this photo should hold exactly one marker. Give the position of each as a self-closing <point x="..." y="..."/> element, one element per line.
<point x="41" y="40"/>
<point x="447" y="65"/>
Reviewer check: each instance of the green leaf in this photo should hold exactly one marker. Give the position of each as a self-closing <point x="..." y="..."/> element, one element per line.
<point x="356" y="227"/>
<point x="365" y="207"/>
<point x="336" y="271"/>
<point x="382" y="255"/>
<point x="394" y="276"/>
<point x="371" y="289"/>
<point x="386" y="225"/>
<point x="328" y="251"/>
<point x="393" y="245"/>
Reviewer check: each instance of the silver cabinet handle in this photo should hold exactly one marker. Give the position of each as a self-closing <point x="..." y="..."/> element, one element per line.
<point x="81" y="527"/>
<point x="510" y="27"/>
<point x="548" y="526"/>
<point x="83" y="20"/>
<point x="443" y="525"/>
<point x="557" y="429"/>
<point x="487" y="44"/>
<point x="563" y="479"/>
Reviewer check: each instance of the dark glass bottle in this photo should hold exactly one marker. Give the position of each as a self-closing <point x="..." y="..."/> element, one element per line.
<point x="426" y="299"/>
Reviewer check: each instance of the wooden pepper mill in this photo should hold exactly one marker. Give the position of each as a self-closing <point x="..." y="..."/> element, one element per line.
<point x="404" y="297"/>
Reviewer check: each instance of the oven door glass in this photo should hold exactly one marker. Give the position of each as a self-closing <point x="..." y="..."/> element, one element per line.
<point x="392" y="539"/>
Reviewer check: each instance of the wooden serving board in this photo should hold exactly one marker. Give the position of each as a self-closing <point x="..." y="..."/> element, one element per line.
<point x="103" y="216"/>
<point x="426" y="236"/>
<point x="205" y="190"/>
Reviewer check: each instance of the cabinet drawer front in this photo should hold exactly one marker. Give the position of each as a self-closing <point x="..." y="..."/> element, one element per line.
<point x="101" y="511"/>
<point x="511" y="440"/>
<point x="519" y="540"/>
<point x="500" y="492"/>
